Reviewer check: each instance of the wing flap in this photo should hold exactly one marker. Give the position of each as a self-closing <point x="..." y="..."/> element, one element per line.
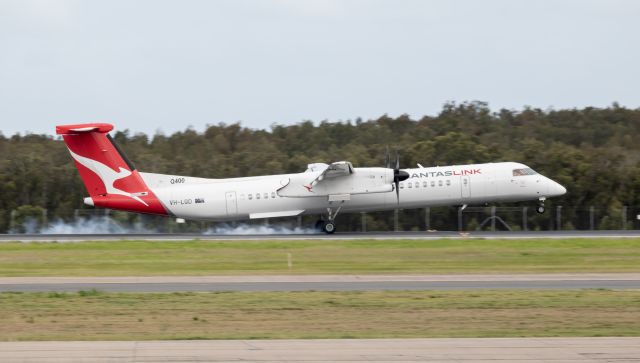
<point x="288" y="213"/>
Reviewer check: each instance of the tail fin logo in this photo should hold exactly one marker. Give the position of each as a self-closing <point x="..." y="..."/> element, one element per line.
<point x="107" y="175"/>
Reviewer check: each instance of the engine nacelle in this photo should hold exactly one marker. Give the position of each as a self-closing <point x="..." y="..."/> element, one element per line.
<point x="361" y="181"/>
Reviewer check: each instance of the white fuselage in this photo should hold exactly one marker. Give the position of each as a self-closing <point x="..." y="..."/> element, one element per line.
<point x="260" y="197"/>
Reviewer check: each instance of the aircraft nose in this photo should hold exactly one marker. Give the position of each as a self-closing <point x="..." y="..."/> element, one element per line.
<point x="556" y="189"/>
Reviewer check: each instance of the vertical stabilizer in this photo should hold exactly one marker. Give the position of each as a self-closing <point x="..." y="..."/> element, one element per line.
<point x="110" y="178"/>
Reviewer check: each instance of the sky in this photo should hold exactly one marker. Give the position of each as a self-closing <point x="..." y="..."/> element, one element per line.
<point x="164" y="66"/>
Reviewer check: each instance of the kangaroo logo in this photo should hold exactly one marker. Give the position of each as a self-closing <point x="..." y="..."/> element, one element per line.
<point x="107" y="175"/>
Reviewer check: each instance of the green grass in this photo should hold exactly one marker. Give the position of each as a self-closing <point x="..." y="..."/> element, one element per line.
<point x="277" y="315"/>
<point x="144" y="258"/>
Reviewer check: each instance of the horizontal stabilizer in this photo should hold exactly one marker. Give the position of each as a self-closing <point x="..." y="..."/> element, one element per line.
<point x="82" y="128"/>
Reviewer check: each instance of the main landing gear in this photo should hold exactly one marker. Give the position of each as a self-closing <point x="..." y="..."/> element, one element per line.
<point x="328" y="226"/>
<point x="540" y="208"/>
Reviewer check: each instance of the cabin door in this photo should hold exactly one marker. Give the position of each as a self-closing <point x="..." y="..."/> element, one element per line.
<point x="232" y="203"/>
<point x="465" y="186"/>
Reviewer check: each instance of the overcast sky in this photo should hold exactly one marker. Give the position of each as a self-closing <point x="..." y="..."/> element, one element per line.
<point x="166" y="65"/>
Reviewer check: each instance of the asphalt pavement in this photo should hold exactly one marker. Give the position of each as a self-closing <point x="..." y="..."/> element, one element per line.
<point x="446" y="350"/>
<point x="313" y="236"/>
<point x="320" y="283"/>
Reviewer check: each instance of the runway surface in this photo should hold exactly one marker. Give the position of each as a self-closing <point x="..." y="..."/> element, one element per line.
<point x="468" y="350"/>
<point x="338" y="235"/>
<point x="321" y="283"/>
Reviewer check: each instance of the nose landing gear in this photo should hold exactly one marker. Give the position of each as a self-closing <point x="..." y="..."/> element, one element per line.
<point x="540" y="208"/>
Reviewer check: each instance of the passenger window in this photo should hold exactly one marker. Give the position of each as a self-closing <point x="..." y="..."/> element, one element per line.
<point x="266" y="195"/>
<point x="401" y="186"/>
<point x="433" y="183"/>
<point x="257" y="195"/>
<point x="424" y="184"/>
<point x="439" y="183"/>
<point x="250" y="196"/>
<point x="409" y="185"/>
<point x="448" y="182"/>
<point x="273" y="194"/>
<point x="417" y="184"/>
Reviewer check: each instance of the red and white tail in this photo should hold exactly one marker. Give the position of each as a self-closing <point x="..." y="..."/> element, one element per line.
<point x="110" y="178"/>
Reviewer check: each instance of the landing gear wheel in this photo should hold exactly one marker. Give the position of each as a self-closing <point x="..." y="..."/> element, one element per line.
<point x="540" y="209"/>
<point x="329" y="228"/>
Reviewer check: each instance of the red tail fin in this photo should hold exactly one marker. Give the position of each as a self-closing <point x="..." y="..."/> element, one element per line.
<point x="110" y="178"/>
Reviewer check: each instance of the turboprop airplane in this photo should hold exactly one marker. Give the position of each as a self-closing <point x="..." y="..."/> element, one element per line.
<point x="323" y="189"/>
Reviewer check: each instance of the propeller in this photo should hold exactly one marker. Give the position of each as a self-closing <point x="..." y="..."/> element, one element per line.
<point x="398" y="175"/>
<point x="387" y="159"/>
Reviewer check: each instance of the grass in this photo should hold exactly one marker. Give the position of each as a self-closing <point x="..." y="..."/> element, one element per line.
<point x="276" y="315"/>
<point x="146" y="258"/>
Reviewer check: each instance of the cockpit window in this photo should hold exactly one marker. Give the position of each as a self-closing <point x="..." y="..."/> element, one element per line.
<point x="525" y="171"/>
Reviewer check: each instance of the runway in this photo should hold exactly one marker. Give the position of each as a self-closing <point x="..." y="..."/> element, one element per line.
<point x="468" y="350"/>
<point x="320" y="283"/>
<point x="425" y="235"/>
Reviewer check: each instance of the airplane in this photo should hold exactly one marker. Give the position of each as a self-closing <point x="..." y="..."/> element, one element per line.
<point x="322" y="189"/>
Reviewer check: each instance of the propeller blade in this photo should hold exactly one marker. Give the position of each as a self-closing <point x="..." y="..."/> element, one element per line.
<point x="387" y="158"/>
<point x="398" y="175"/>
<point x="396" y="178"/>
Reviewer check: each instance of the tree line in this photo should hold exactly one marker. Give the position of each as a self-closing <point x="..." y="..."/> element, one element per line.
<point x="595" y="152"/>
